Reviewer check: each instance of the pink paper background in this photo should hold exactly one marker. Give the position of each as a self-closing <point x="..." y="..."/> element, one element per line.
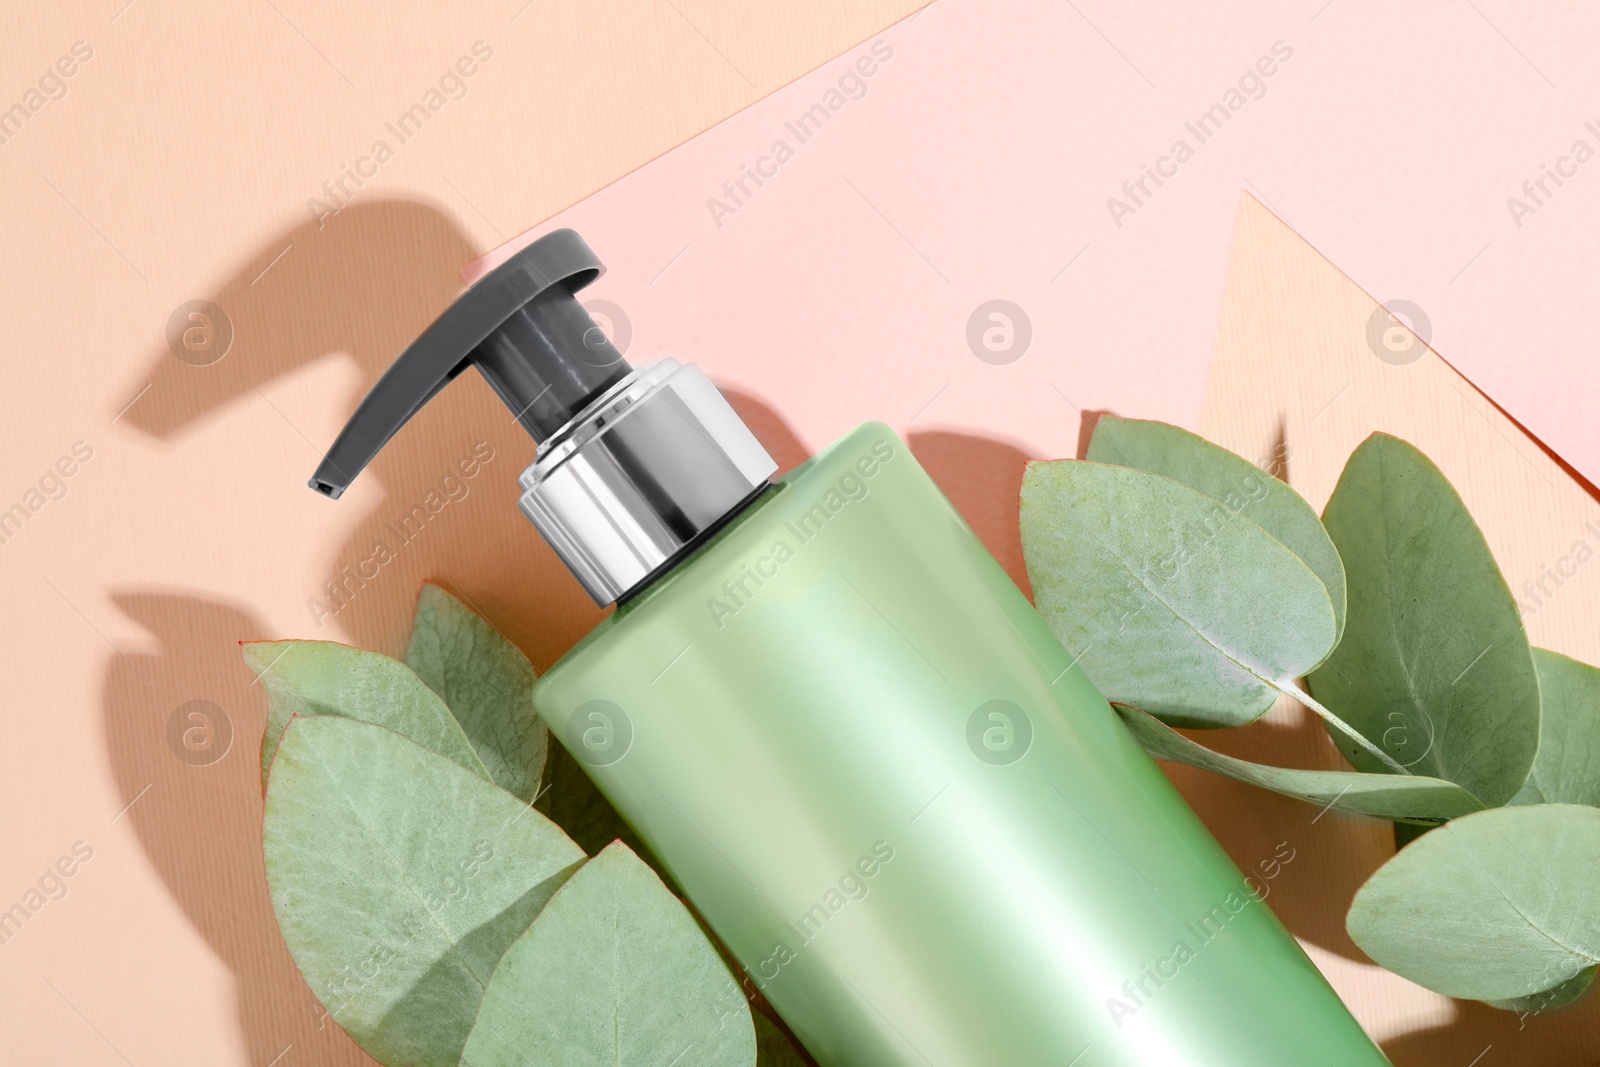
<point x="979" y="165"/>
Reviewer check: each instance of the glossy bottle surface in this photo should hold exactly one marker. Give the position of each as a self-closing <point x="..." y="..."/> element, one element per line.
<point x="923" y="833"/>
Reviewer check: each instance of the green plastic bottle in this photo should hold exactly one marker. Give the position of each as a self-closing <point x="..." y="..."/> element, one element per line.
<point x="853" y="743"/>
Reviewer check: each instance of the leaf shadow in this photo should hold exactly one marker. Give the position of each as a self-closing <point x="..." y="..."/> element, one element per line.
<point x="200" y="822"/>
<point x="359" y="288"/>
<point x="1484" y="1035"/>
<point x="1088" y="422"/>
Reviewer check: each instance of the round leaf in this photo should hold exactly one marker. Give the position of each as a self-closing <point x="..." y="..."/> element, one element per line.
<point x="615" y="971"/>
<point x="487" y="684"/>
<point x="399" y="879"/>
<point x="324" y="678"/>
<point x="1434" y="667"/>
<point x="1238" y="484"/>
<point x="1171" y="602"/>
<point x="1491" y="906"/>
<point x="1566" y="769"/>
<point x="1388" y="796"/>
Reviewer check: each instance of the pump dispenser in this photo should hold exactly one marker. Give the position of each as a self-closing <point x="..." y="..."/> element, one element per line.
<point x="847" y="736"/>
<point x="633" y="466"/>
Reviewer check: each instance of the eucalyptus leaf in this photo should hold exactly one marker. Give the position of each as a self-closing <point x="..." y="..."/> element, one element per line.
<point x="325" y="678"/>
<point x="399" y="879"/>
<point x="1495" y="905"/>
<point x="1388" y="796"/>
<point x="1238" y="484"/>
<point x="773" y="1047"/>
<point x="487" y="684"/>
<point x="615" y="971"/>
<point x="1435" y="667"/>
<point x="1170" y="601"/>
<point x="1566" y="769"/>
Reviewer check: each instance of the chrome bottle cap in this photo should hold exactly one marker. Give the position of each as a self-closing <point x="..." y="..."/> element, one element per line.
<point x="640" y="474"/>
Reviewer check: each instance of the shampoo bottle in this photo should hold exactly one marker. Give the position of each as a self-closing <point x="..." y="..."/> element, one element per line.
<point x="859" y="752"/>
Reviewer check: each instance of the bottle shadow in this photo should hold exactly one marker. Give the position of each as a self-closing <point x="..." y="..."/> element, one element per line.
<point x="982" y="478"/>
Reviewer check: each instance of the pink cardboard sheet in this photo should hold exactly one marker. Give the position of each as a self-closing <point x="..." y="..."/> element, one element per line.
<point x="994" y="217"/>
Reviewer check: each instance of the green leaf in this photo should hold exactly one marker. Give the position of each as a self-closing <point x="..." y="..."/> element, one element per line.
<point x="1550" y="999"/>
<point x="1171" y="602"/>
<point x="488" y="685"/>
<point x="1238" y="484"/>
<point x="773" y="1047"/>
<point x="1490" y="906"/>
<point x="615" y="971"/>
<point x="1435" y="666"/>
<point x="1566" y="769"/>
<point x="399" y="879"/>
<point x="324" y="678"/>
<point x="1388" y="796"/>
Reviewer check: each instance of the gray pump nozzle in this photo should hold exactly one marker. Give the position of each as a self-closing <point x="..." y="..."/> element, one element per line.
<point x="635" y="467"/>
<point x="522" y="326"/>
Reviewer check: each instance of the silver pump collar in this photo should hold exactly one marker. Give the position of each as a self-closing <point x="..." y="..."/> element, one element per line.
<point x="639" y="475"/>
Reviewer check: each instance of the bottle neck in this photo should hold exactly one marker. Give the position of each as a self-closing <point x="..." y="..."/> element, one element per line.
<point x="684" y="554"/>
